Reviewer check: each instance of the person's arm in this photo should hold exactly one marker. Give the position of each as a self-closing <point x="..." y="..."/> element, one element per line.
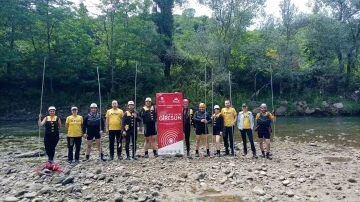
<point x="252" y="122"/>
<point x="272" y="117"/>
<point x="208" y="118"/>
<point x="41" y="123"/>
<point x="235" y="116"/>
<point x="59" y="122"/>
<point x="84" y="126"/>
<point x="107" y="121"/>
<point x="221" y="120"/>
<point x="123" y="124"/>
<point x="67" y="123"/>
<point x="238" y="120"/>
<point x="196" y="118"/>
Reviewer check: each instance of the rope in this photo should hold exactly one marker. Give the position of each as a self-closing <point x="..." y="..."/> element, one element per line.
<point x="41" y="102"/>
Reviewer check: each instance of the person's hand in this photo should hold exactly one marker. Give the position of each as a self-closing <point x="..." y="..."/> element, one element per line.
<point x="85" y="136"/>
<point x="40" y="116"/>
<point x="221" y="133"/>
<point x="107" y="131"/>
<point x="140" y="129"/>
<point x="124" y="134"/>
<point x="205" y="121"/>
<point x="134" y="114"/>
<point x="101" y="133"/>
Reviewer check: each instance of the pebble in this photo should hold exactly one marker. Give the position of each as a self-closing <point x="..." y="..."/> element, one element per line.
<point x="352" y="180"/>
<point x="68" y="180"/>
<point x="30" y="195"/>
<point x="262" y="173"/>
<point x="259" y="191"/>
<point x="290" y="193"/>
<point x="11" y="199"/>
<point x="118" y="198"/>
<point x="135" y="189"/>
<point x="223" y="180"/>
<point x="286" y="182"/>
<point x="87" y="182"/>
<point x="98" y="171"/>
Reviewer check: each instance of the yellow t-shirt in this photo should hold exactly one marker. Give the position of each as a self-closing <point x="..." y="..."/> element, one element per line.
<point x="271" y="117"/>
<point x="75" y="124"/>
<point x="229" y="115"/>
<point x="115" y="118"/>
<point x="246" y="121"/>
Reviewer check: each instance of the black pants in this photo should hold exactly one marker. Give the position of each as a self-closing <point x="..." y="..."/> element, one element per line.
<point x="112" y="135"/>
<point x="71" y="141"/>
<point x="228" y="134"/>
<point x="249" y="133"/>
<point x="187" y="133"/>
<point x="50" y="142"/>
<point x="130" y="134"/>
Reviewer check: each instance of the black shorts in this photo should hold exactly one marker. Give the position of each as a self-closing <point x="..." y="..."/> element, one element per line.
<point x="264" y="134"/>
<point x="216" y="131"/>
<point x="150" y="129"/>
<point x="202" y="130"/>
<point x="91" y="136"/>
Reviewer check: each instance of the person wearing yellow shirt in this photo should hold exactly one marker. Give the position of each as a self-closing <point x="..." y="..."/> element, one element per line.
<point x="74" y="135"/>
<point x="245" y="123"/>
<point x="230" y="117"/>
<point x="113" y="123"/>
<point x="263" y="120"/>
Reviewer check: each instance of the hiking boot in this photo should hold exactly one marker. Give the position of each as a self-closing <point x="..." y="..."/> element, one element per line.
<point x="197" y="155"/>
<point x="111" y="158"/>
<point x="120" y="157"/>
<point x="134" y="157"/>
<point x="262" y="154"/>
<point x="70" y="161"/>
<point x="156" y="155"/>
<point x="102" y="157"/>
<point x="268" y="156"/>
<point x="77" y="161"/>
<point x="128" y="158"/>
<point x="87" y="157"/>
<point x="255" y="156"/>
<point x="146" y="156"/>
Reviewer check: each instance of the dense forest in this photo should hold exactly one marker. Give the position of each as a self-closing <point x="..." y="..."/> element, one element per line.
<point x="312" y="57"/>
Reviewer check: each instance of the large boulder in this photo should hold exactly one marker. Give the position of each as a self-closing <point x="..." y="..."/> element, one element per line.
<point x="338" y="106"/>
<point x="281" y="111"/>
<point x="256" y="110"/>
<point x="309" y="111"/>
<point x="283" y="103"/>
<point x="325" y="104"/>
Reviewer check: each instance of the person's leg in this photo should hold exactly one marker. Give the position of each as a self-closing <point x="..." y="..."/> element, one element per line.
<point x="112" y="135"/>
<point x="70" y="144"/>
<point x="133" y="148"/>
<point x="251" y="140"/>
<point x="231" y="139"/>
<point x="226" y="140"/>
<point x="54" y="142"/>
<point x="99" y="146"/>
<point x="267" y="142"/>
<point x="206" y="143"/>
<point x="217" y="144"/>
<point x="88" y="148"/>
<point x="197" y="144"/>
<point x="243" y="137"/>
<point x="154" y="145"/>
<point x="147" y="141"/>
<point x="118" y="142"/>
<point x="47" y="144"/>
<point x="127" y="145"/>
<point x="77" y="141"/>
<point x="187" y="141"/>
<point x="261" y="141"/>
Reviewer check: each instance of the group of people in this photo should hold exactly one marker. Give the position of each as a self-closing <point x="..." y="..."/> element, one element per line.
<point x="223" y="124"/>
<point x="121" y="125"/>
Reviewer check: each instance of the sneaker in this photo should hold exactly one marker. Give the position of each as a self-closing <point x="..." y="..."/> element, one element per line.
<point x="77" y="161"/>
<point x="70" y="161"/>
<point x="255" y="156"/>
<point x="134" y="157"/>
<point x="197" y="155"/>
<point x="232" y="154"/>
<point x="268" y="156"/>
<point x="111" y="158"/>
<point x="156" y="155"/>
<point x="128" y="158"/>
<point x="146" y="156"/>
<point x="120" y="157"/>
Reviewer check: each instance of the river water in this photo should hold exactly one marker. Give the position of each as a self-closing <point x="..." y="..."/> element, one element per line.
<point x="344" y="131"/>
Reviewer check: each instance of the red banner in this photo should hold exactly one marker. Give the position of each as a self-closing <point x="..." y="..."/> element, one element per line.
<point x="170" y="124"/>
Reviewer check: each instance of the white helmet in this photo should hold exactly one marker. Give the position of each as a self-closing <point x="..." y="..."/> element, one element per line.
<point x="263" y="105"/>
<point x="93" y="105"/>
<point x="52" y="108"/>
<point x="148" y="99"/>
<point x="131" y="103"/>
<point x="216" y="107"/>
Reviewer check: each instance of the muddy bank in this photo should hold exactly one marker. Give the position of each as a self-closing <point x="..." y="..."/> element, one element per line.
<point x="298" y="172"/>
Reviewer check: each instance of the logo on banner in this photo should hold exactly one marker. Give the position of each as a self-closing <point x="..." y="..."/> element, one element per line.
<point x="169" y="137"/>
<point x="162" y="100"/>
<point x="176" y="100"/>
